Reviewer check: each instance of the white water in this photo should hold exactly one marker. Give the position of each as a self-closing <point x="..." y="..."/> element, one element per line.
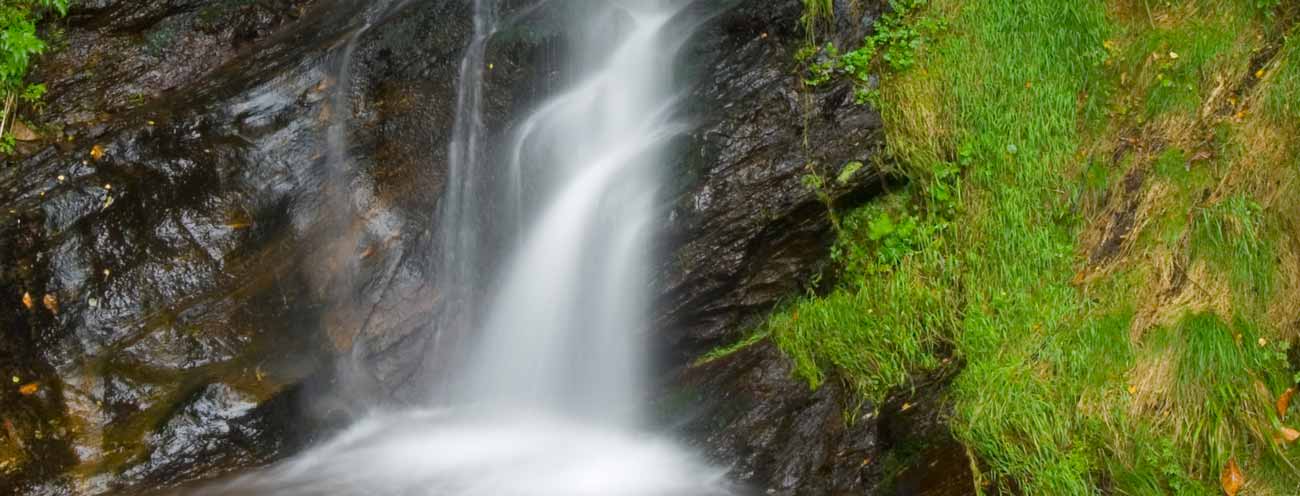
<point x="548" y="402"/>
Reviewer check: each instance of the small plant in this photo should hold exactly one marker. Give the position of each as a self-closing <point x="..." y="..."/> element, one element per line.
<point x="816" y="12"/>
<point x="18" y="44"/>
<point x="898" y="36"/>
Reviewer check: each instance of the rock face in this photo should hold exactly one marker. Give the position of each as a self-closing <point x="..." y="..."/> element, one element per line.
<point x="223" y="239"/>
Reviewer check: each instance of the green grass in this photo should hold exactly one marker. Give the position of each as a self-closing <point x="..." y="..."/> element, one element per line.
<point x="1144" y="375"/>
<point x="1232" y="235"/>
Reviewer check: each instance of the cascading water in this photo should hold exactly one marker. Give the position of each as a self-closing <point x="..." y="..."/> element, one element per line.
<point x="547" y="403"/>
<point x="560" y="335"/>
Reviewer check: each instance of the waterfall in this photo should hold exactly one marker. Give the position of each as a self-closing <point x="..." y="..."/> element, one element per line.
<point x="548" y="400"/>
<point x="561" y="333"/>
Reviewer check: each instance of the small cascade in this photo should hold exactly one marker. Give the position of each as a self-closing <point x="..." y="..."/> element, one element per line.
<point x="549" y="399"/>
<point x="562" y="334"/>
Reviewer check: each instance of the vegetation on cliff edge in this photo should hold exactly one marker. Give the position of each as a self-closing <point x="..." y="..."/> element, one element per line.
<point x="1099" y="222"/>
<point x="19" y="43"/>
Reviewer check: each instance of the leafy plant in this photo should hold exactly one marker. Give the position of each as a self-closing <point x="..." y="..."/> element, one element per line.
<point x="898" y="36"/>
<point x="18" y="45"/>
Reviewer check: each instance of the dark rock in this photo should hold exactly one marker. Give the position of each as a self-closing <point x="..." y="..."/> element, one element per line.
<point x="778" y="435"/>
<point x="746" y="230"/>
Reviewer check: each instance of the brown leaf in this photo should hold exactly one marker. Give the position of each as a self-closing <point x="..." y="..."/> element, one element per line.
<point x="96" y="152"/>
<point x="1284" y="402"/>
<point x="29" y="389"/>
<point x="23" y="133"/>
<point x="27" y="301"/>
<point x="51" y="303"/>
<point x="1290" y="435"/>
<point x="1231" y="479"/>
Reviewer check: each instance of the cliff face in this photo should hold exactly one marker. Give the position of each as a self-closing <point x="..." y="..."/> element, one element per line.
<point x="186" y="261"/>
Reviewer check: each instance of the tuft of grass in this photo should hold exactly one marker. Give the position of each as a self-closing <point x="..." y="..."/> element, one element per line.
<point x="1232" y="236"/>
<point x="885" y="320"/>
<point x="816" y="15"/>
<point x="733" y="348"/>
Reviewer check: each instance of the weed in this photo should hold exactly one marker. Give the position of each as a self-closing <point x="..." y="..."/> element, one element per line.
<point x="18" y="44"/>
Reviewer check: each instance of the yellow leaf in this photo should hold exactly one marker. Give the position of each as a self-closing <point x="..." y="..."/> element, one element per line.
<point x="97" y="152"/>
<point x="1231" y="478"/>
<point x="51" y="303"/>
<point x="1259" y="74"/>
<point x="1290" y="435"/>
<point x="29" y="389"/>
<point x="1284" y="402"/>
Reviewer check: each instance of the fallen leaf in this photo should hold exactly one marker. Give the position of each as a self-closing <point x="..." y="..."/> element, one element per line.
<point x="1259" y="74"/>
<point x="906" y="407"/>
<point x="1290" y="435"/>
<point x="1231" y="478"/>
<point x="1173" y="55"/>
<point x="51" y="303"/>
<point x="29" y="389"/>
<point x="23" y="133"/>
<point x="97" y="152"/>
<point x="27" y="301"/>
<point x="1284" y="402"/>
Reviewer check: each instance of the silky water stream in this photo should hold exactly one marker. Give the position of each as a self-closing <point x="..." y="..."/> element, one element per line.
<point x="548" y="399"/>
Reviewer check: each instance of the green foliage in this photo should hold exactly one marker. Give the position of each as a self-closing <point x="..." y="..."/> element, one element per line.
<point x="884" y="320"/>
<point x="18" y="45"/>
<point x="18" y="40"/>
<point x="899" y="35"/>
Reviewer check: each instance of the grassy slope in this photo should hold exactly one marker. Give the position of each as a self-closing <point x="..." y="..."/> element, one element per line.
<point x="1119" y="271"/>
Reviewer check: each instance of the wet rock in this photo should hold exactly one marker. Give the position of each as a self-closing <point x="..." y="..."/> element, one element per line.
<point x="779" y="436"/>
<point x="204" y="433"/>
<point x="210" y="237"/>
<point x="746" y="230"/>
